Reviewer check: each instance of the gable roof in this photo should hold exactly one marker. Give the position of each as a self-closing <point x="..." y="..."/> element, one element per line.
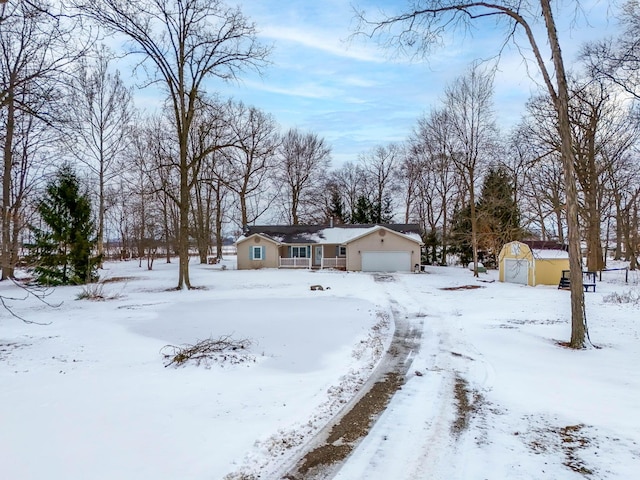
<point x="269" y="239"/>
<point x="407" y="235"/>
<point x="326" y="234"/>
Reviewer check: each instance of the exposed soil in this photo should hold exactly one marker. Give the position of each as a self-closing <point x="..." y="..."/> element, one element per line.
<point x="352" y="427"/>
<point x="467" y="404"/>
<point x="462" y="287"/>
<point x="118" y="279"/>
<point x="326" y="453"/>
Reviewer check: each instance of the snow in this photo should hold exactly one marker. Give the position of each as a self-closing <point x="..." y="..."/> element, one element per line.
<point x="549" y="253"/>
<point x="336" y="235"/>
<point x="345" y="235"/>
<point x="86" y="394"/>
<point x="339" y="235"/>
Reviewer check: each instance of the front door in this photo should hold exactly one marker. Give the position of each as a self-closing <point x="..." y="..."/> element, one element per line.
<point x="317" y="255"/>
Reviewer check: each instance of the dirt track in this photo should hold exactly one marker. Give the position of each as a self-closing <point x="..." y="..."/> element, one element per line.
<point x="325" y="454"/>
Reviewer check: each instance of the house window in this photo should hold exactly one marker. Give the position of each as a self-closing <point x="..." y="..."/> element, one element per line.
<point x="257" y="253"/>
<point x="342" y="252"/>
<point x="299" y="252"/>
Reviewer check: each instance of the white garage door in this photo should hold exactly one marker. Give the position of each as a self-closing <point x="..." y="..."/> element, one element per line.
<point x="386" y="261"/>
<point x="516" y="271"/>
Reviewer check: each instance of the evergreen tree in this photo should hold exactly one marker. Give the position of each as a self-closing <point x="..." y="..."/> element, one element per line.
<point x="336" y="208"/>
<point x="62" y="250"/>
<point x="460" y="235"/>
<point x="498" y="220"/>
<point x="363" y="211"/>
<point x="498" y="213"/>
<point x="367" y="212"/>
<point x="383" y="212"/>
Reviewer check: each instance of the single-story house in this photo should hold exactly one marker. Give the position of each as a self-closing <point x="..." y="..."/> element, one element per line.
<point x="533" y="262"/>
<point x="368" y="248"/>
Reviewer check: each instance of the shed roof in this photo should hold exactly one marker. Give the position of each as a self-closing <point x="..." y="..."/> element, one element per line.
<point x="545" y="245"/>
<point x="549" y="254"/>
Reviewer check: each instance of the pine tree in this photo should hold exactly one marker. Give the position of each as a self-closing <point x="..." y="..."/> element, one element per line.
<point x="336" y="208"/>
<point x="498" y="213"/>
<point x="363" y="211"/>
<point x="367" y="212"/>
<point x="460" y="235"/>
<point x="62" y="250"/>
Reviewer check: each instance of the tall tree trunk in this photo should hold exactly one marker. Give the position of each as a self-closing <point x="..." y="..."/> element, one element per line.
<point x="619" y="227"/>
<point x="445" y="239"/>
<point x="183" y="234"/>
<point x="7" y="265"/>
<point x="633" y="236"/>
<point x="244" y="216"/>
<point x="167" y="236"/>
<point x="579" y="331"/>
<point x="594" y="244"/>
<point x="101" y="208"/>
<point x="474" y="222"/>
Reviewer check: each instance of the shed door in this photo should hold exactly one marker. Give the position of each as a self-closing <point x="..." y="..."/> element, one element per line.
<point x="386" y="261"/>
<point x="516" y="271"/>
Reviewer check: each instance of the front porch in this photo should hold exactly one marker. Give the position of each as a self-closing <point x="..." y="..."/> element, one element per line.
<point x="297" y="262"/>
<point x="312" y="256"/>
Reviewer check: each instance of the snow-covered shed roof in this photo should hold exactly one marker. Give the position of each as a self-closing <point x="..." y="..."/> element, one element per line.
<point x="549" y="254"/>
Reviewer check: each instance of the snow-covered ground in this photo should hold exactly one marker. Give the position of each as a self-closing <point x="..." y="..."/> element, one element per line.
<point x="490" y="395"/>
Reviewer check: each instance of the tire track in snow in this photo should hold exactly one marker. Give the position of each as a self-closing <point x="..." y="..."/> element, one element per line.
<point x="414" y="434"/>
<point x="327" y="452"/>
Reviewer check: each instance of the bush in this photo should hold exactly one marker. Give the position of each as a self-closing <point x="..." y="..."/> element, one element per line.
<point x="629" y="296"/>
<point x="95" y="292"/>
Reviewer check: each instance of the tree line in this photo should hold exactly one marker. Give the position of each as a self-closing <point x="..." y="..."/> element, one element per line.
<point x="202" y="167"/>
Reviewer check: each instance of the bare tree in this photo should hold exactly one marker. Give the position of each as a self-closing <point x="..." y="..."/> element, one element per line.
<point x="100" y="113"/>
<point x="380" y="167"/>
<point x="349" y="183"/>
<point x="617" y="60"/>
<point x="33" y="60"/>
<point x="624" y="184"/>
<point x="439" y="181"/>
<point x="254" y="135"/>
<point x="603" y="130"/>
<point x="303" y="161"/>
<point x="164" y="178"/>
<point x="186" y="42"/>
<point x="409" y="175"/>
<point x="423" y="27"/>
<point x="469" y="107"/>
<point x="210" y="135"/>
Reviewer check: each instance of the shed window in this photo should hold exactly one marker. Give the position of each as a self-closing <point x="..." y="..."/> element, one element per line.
<point x="256" y="253"/>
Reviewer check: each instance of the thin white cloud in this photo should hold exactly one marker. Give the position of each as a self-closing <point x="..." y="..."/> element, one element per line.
<point x="306" y="90"/>
<point x="324" y="41"/>
<point x="357" y="81"/>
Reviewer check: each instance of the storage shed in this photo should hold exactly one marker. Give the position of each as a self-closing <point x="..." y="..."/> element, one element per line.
<point x="533" y="262"/>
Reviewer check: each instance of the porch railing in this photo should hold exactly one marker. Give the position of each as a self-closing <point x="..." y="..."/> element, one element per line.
<point x="295" y="262"/>
<point x="339" y="262"/>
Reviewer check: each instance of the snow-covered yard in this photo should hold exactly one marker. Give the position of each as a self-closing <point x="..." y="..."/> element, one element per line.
<point x="490" y="394"/>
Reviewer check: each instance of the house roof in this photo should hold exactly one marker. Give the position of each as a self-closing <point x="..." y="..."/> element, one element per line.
<point x="326" y="234"/>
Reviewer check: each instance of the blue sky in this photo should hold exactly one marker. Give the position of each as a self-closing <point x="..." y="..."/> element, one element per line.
<point x="354" y="95"/>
